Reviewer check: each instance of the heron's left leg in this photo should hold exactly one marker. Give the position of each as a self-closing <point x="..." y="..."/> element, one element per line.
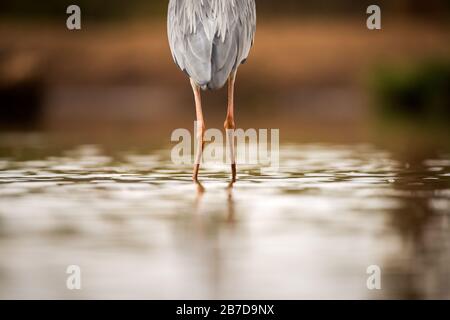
<point x="200" y="129"/>
<point x="230" y="125"/>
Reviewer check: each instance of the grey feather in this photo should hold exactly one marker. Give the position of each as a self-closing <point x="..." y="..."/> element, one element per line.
<point x="209" y="39"/>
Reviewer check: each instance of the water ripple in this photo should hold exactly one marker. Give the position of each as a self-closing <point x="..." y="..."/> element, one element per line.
<point x="308" y="230"/>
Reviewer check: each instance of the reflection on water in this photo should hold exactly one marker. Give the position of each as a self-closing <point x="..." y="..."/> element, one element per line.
<point x="139" y="228"/>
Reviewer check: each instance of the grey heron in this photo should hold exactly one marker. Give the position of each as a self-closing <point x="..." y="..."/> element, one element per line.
<point x="209" y="40"/>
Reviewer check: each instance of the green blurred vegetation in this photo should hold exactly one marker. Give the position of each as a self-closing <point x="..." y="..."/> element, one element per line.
<point x="411" y="106"/>
<point x="420" y="92"/>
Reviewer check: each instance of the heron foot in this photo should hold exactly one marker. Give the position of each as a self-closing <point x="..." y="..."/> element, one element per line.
<point x="233" y="173"/>
<point x="195" y="173"/>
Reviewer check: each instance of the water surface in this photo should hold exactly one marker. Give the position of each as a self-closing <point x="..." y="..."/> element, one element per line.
<point x="139" y="228"/>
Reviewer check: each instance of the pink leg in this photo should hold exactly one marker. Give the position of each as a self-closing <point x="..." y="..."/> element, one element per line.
<point x="230" y="126"/>
<point x="200" y="129"/>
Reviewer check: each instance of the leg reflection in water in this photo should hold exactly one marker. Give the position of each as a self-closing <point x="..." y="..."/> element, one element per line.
<point x="230" y="212"/>
<point x="230" y="204"/>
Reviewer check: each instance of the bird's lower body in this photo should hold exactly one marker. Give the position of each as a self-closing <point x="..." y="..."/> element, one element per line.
<point x="229" y="126"/>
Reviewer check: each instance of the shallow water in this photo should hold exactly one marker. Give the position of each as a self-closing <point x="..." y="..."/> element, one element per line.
<point x="139" y="228"/>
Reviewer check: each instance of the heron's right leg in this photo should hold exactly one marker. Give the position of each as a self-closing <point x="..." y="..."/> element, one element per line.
<point x="230" y="126"/>
<point x="200" y="129"/>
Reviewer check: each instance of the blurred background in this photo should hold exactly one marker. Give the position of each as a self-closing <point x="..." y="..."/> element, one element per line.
<point x="315" y="71"/>
<point x="364" y="118"/>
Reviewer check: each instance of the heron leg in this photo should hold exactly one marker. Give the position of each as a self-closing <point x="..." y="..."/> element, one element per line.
<point x="230" y="126"/>
<point x="200" y="129"/>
